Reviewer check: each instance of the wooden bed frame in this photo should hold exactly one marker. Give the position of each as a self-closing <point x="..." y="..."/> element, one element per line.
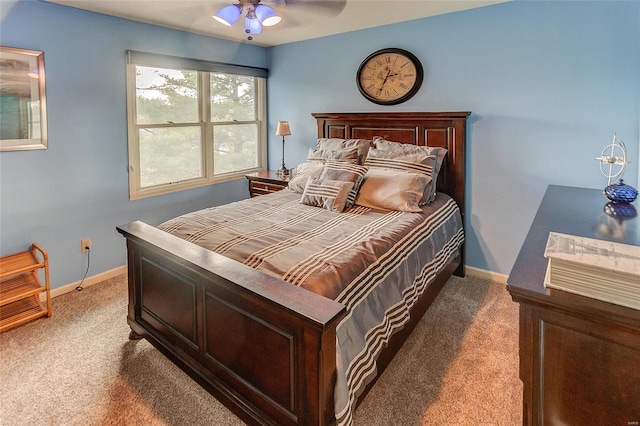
<point x="263" y="347"/>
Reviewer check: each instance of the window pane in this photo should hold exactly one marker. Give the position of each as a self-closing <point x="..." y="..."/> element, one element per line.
<point x="166" y="96"/>
<point x="235" y="147"/>
<point x="232" y="98"/>
<point x="169" y="154"/>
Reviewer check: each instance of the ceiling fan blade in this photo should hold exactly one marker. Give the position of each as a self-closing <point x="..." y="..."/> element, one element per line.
<point x="323" y="7"/>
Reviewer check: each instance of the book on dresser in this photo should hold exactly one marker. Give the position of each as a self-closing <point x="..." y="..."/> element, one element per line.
<point x="598" y="269"/>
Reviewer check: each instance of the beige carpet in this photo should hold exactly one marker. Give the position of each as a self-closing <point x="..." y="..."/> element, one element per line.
<point x="459" y="367"/>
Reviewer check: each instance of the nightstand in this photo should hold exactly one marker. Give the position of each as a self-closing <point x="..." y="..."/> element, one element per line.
<point x="266" y="182"/>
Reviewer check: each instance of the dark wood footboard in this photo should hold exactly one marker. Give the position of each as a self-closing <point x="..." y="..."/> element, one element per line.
<point x="263" y="347"/>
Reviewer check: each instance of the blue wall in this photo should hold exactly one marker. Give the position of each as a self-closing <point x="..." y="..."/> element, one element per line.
<point x="78" y="187"/>
<point x="547" y="82"/>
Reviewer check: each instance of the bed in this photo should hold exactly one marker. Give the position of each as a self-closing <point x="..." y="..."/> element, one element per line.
<point x="265" y="348"/>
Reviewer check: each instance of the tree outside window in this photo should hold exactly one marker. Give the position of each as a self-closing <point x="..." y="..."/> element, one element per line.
<point x="192" y="128"/>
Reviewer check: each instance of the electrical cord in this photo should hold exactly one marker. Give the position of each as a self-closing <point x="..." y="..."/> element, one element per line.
<point x="79" y="287"/>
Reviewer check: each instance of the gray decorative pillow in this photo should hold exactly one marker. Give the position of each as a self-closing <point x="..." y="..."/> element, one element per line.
<point x="339" y="170"/>
<point x="386" y="189"/>
<point x="405" y="148"/>
<point x="328" y="194"/>
<point x="323" y="155"/>
<point x="424" y="161"/>
<point x="362" y="145"/>
<point x="440" y="154"/>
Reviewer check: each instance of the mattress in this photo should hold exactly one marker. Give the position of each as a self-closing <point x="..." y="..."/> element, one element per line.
<point x="377" y="263"/>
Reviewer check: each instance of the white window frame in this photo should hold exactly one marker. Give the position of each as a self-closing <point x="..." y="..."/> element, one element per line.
<point x="204" y="69"/>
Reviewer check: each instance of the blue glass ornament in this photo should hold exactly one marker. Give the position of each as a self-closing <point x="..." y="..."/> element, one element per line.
<point x="621" y="192"/>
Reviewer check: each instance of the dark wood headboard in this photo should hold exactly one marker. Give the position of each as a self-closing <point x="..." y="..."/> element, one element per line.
<point x="444" y="129"/>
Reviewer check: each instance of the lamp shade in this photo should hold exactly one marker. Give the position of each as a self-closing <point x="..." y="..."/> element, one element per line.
<point x="283" y="129"/>
<point x="267" y="15"/>
<point x="252" y="26"/>
<point x="228" y="15"/>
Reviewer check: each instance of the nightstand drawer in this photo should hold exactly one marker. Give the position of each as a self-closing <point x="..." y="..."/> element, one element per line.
<point x="266" y="182"/>
<point x="259" y="188"/>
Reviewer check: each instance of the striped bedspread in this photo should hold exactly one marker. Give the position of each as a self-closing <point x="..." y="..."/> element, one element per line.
<point x="376" y="263"/>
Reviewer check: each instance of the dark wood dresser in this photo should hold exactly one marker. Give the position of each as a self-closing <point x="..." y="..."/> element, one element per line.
<point x="579" y="357"/>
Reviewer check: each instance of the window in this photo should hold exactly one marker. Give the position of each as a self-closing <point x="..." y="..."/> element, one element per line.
<point x="192" y="123"/>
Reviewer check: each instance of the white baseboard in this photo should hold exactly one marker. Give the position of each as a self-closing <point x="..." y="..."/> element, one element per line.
<point x="120" y="270"/>
<point x="485" y="275"/>
<point x="89" y="281"/>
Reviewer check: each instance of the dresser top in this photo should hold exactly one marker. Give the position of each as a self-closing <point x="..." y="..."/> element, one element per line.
<point x="573" y="211"/>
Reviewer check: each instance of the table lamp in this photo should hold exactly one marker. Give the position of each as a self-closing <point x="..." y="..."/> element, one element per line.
<point x="283" y="130"/>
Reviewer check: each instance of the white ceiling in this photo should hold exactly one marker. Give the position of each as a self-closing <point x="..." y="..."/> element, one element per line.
<point x="301" y="19"/>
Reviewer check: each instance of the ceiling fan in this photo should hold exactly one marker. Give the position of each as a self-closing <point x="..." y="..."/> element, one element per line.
<point x="258" y="15"/>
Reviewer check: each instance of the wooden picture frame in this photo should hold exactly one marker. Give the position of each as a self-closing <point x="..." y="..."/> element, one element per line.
<point x="23" y="105"/>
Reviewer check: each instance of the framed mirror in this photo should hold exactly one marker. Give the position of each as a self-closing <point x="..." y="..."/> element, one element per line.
<point x="23" y="106"/>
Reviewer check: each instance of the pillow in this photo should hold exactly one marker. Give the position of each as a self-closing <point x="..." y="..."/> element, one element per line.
<point x="425" y="160"/>
<point x="386" y="189"/>
<point x="340" y="170"/>
<point x="328" y="194"/>
<point x="386" y="145"/>
<point x="302" y="173"/>
<point x="405" y="148"/>
<point x="440" y="154"/>
<point x="362" y="145"/>
<point x="322" y="154"/>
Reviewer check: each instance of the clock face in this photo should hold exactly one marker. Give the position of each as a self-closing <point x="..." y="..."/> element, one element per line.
<point x="389" y="76"/>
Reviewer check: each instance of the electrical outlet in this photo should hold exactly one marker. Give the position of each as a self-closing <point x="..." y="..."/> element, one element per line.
<point x="85" y="245"/>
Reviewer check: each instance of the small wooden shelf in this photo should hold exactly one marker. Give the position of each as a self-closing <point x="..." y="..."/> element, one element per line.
<point x="22" y="311"/>
<point x="21" y="288"/>
<point x="18" y="288"/>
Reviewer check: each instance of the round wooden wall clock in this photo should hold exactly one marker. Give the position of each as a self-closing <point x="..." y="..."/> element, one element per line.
<point x="389" y="76"/>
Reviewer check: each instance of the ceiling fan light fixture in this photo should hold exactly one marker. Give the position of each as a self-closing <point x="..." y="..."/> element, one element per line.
<point x="228" y="15"/>
<point x="267" y="15"/>
<point x="252" y="25"/>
